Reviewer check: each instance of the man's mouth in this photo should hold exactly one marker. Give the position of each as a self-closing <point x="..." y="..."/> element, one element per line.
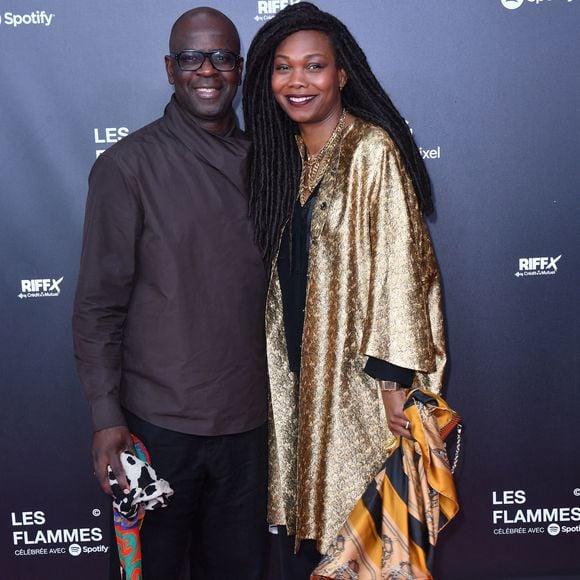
<point x="206" y="92"/>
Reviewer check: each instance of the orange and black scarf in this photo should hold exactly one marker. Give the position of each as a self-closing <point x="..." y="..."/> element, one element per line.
<point x="393" y="529"/>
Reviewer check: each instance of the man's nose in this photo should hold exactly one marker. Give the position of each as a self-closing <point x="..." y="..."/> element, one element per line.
<point x="206" y="67"/>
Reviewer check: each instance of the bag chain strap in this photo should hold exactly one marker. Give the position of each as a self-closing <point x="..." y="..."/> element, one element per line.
<point x="457" y="448"/>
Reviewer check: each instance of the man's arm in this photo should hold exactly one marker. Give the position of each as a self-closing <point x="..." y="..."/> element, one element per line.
<point x="112" y="229"/>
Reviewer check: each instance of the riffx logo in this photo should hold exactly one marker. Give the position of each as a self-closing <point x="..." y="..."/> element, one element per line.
<point x="268" y="8"/>
<point x="40" y="287"/>
<point x="538" y="266"/>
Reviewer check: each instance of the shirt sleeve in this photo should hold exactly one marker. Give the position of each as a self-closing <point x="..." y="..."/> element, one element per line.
<point x="382" y="370"/>
<point x="113" y="223"/>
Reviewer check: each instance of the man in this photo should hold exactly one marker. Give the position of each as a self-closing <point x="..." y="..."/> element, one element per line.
<point x="168" y="321"/>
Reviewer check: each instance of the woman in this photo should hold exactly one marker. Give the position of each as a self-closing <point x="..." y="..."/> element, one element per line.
<point x="353" y="314"/>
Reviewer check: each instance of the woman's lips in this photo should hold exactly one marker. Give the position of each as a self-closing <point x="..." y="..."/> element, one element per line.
<point x="298" y="100"/>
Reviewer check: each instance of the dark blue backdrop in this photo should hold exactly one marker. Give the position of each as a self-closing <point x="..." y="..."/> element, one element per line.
<point x="492" y="92"/>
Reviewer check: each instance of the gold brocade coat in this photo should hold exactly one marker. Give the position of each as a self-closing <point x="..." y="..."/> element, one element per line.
<point x="373" y="290"/>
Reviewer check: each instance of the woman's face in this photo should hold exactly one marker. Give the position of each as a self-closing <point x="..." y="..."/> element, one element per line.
<point x="305" y="79"/>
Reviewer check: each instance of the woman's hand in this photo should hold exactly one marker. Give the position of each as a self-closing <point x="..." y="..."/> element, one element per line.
<point x="396" y="419"/>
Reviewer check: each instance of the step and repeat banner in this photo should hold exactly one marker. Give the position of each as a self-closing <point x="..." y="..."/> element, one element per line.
<point x="491" y="89"/>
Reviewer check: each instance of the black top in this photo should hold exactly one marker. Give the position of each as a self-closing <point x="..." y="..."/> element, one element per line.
<point x="293" y="276"/>
<point x="169" y="310"/>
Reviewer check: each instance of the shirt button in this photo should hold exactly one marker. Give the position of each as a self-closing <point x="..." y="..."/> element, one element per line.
<point x="323" y="205"/>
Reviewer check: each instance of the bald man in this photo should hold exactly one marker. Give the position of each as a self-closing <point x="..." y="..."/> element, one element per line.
<point x="168" y="318"/>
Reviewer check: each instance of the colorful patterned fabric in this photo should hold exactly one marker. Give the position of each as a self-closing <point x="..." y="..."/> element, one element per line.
<point x="147" y="492"/>
<point x="392" y="531"/>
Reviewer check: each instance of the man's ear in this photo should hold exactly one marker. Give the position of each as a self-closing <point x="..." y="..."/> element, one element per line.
<point x="240" y="69"/>
<point x="169" y="64"/>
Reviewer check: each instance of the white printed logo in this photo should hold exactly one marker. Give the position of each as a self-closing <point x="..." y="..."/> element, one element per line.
<point x="512" y="4"/>
<point x="107" y="136"/>
<point x="268" y="8"/>
<point x="32" y="536"/>
<point x="40" y="287"/>
<point x="512" y="516"/>
<point x="539" y="266"/>
<point x="432" y="153"/>
<point x="38" y="17"/>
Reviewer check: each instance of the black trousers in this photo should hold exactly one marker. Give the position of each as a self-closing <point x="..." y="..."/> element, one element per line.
<point x="217" y="516"/>
<point x="285" y="564"/>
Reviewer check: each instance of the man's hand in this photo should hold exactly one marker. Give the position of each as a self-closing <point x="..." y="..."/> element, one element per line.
<point x="107" y="447"/>
<point x="396" y="419"/>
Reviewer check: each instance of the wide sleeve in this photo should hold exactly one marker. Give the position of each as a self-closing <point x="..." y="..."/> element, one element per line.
<point x="113" y="222"/>
<point x="403" y="323"/>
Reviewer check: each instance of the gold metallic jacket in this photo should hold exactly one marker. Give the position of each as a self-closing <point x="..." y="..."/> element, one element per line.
<point x="373" y="290"/>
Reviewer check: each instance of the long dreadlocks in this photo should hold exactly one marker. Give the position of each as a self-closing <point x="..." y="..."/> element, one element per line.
<point x="275" y="161"/>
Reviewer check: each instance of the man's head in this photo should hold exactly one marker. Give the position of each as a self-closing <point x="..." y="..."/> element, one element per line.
<point x="206" y="93"/>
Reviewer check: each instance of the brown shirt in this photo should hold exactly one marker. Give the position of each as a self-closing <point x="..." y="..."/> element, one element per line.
<point x="169" y="310"/>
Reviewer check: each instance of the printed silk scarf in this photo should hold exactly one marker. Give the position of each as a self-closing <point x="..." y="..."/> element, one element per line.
<point x="393" y="529"/>
<point x="146" y="492"/>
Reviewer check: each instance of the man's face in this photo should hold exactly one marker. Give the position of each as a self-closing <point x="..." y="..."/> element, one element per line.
<point x="206" y="93"/>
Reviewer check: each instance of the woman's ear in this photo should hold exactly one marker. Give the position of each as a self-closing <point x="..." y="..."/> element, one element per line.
<point x="342" y="78"/>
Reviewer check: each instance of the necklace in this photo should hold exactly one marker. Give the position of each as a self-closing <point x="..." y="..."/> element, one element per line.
<point x="314" y="167"/>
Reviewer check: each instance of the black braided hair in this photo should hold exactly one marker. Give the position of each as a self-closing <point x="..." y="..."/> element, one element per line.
<point x="275" y="161"/>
